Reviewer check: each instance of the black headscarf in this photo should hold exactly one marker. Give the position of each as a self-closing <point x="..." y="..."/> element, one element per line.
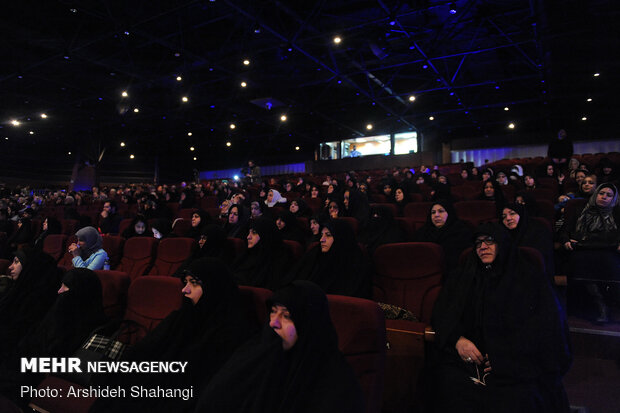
<point x="291" y="230"/>
<point x="380" y="229"/>
<point x="29" y="299"/>
<point x="205" y="219"/>
<point x="130" y="231"/>
<point x="237" y="230"/>
<point x="342" y="270"/>
<point x="313" y="376"/>
<point x="265" y="264"/>
<point x="358" y="206"/>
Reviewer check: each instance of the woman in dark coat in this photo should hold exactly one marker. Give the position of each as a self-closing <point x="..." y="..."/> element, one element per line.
<point x="32" y="294"/>
<point x="289" y="227"/>
<point x="200" y="218"/>
<point x="293" y="366"/>
<point x="205" y="332"/>
<point x="491" y="191"/>
<point x="337" y="264"/>
<point x="593" y="240"/>
<point x="23" y="235"/>
<point x="501" y="333"/>
<point x="266" y="259"/>
<point x="355" y="205"/>
<point x="380" y="229"/>
<point x="526" y="232"/>
<point x="235" y="226"/>
<point x="444" y="228"/>
<point x="50" y="226"/>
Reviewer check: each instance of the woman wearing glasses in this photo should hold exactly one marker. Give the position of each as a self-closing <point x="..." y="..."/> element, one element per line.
<point x="501" y="333"/>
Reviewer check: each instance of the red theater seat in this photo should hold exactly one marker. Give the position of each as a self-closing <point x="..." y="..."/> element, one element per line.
<point x="254" y="300"/>
<point x="391" y="207"/>
<point x="138" y="255"/>
<point x="476" y="212"/>
<point x="69" y="226"/>
<point x="65" y="261"/>
<point x="296" y="249"/>
<point x="54" y="245"/>
<point x="360" y="325"/>
<point x="114" y="285"/>
<point x="209" y="202"/>
<point x="353" y="223"/>
<point x="113" y="245"/>
<point x="238" y="245"/>
<point x="4" y="266"/>
<point x="181" y="226"/>
<point x="124" y="224"/>
<point x="171" y="253"/>
<point x="418" y="211"/>
<point x="186" y="213"/>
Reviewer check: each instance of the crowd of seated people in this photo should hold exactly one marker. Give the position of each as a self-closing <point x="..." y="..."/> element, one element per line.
<point x="340" y="220"/>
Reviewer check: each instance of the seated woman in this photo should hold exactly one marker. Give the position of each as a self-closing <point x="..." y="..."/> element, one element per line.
<point x="235" y="226"/>
<point x="210" y="325"/>
<point x="593" y="239"/>
<point x="337" y="264"/>
<point x="273" y="198"/>
<point x="289" y="227"/>
<point x="266" y="259"/>
<point x="50" y="226"/>
<point x="200" y="218"/>
<point x="501" y="334"/>
<point x="162" y="228"/>
<point x="87" y="252"/>
<point x="137" y="228"/>
<point x="355" y="205"/>
<point x="77" y="311"/>
<point x="444" y="228"/>
<point x="294" y="365"/>
<point x="401" y="198"/>
<point x="32" y="293"/>
<point x="315" y="230"/>
<point x="526" y="232"/>
<point x="22" y="237"/>
<point x="299" y="208"/>
<point x="491" y="191"/>
<point x="381" y="229"/>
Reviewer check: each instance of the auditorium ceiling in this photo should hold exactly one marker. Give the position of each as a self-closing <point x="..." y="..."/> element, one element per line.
<point x="191" y="69"/>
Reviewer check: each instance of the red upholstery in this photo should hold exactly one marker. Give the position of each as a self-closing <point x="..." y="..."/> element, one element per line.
<point x="254" y="300"/>
<point x="475" y="212"/>
<point x="315" y="204"/>
<point x="208" y="202"/>
<point x="416" y="197"/>
<point x="171" y="253"/>
<point x="417" y="210"/>
<point x="353" y="223"/>
<point x="186" y="213"/>
<point x="150" y="300"/>
<point x="114" y="285"/>
<point x="238" y="245"/>
<point x="113" y="245"/>
<point x="65" y="262"/>
<point x="297" y="250"/>
<point x="386" y="205"/>
<point x="360" y="325"/>
<point x="54" y="245"/>
<point x="304" y="223"/>
<point x="546" y="210"/>
<point x="69" y="226"/>
<point x="379" y="198"/>
<point x="407" y="225"/>
<point x="173" y="207"/>
<point x="138" y="255"/>
<point x="182" y="226"/>
<point x="543" y="193"/>
<point x="407" y="275"/>
<point x="124" y="224"/>
<point x="4" y="266"/>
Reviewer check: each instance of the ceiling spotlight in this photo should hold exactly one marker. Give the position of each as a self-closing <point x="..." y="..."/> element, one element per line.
<point x="369" y="126"/>
<point x="246" y="62"/>
<point x="195" y="158"/>
<point x="131" y="156"/>
<point x="296" y="148"/>
<point x="584" y="118"/>
<point x="431" y="118"/>
<point x="179" y="78"/>
<point x="31" y="132"/>
<point x="506" y="108"/>
<point x="337" y="40"/>
<point x="191" y="148"/>
<point x="189" y="134"/>
<point x="232" y="126"/>
<point x="15" y="122"/>
<point x="124" y="94"/>
<point x="589" y="100"/>
<point x="511" y="126"/>
<point x="43" y="115"/>
<point x="452" y="8"/>
<point x="136" y="110"/>
<point x="243" y="84"/>
<point x="411" y="98"/>
<point x="122" y="144"/>
<point x="597" y="74"/>
<point x="283" y="118"/>
<point x="185" y="99"/>
<point x="228" y="143"/>
<point x="68" y="153"/>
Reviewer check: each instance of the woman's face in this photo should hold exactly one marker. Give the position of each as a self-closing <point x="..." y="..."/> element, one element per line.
<point x="156" y="233"/>
<point x="604" y="197"/>
<point x="442" y="179"/>
<point x="139" y="227"/>
<point x="82" y="244"/>
<point x="280" y="223"/>
<point x="15" y="268"/>
<point x="346" y="199"/>
<point x="195" y="220"/>
<point x="489" y="191"/>
<point x="314" y="226"/>
<point x="387" y="189"/>
<point x="510" y="218"/>
<point x="588" y="184"/>
<point x="486" y="248"/>
<point x="327" y="240"/>
<point x="529" y="181"/>
<point x="63" y="288"/>
<point x="439" y="215"/>
<point x="192" y="289"/>
<point x="270" y="196"/>
<point x="45" y="224"/>
<point x="573" y="164"/>
<point x="486" y="176"/>
<point x="288" y="187"/>
<point x="520" y="200"/>
<point x="464" y="174"/>
<point x="202" y="240"/>
<point x="399" y="195"/>
<point x="255" y="210"/>
<point x="549" y="170"/>
<point x="253" y="238"/>
<point x="294" y="208"/>
<point x="330" y="188"/>
<point x="502" y="178"/>
<point x="282" y="324"/>
<point x="315" y="192"/>
<point x="333" y="209"/>
<point x="233" y="216"/>
<point x="579" y="176"/>
<point x="474" y="171"/>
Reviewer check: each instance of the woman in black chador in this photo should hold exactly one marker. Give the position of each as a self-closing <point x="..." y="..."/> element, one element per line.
<point x="205" y="332"/>
<point x="501" y="334"/>
<point x="337" y="264"/>
<point x="444" y="228"/>
<point x="293" y="366"/>
<point x="266" y="259"/>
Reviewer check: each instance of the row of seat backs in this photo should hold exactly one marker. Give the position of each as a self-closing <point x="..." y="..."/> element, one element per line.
<point x="359" y="323"/>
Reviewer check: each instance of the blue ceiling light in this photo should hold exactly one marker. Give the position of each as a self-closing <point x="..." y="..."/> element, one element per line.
<point x="452" y="8"/>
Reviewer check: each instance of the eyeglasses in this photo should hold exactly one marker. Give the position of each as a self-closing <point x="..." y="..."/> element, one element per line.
<point x="488" y="240"/>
